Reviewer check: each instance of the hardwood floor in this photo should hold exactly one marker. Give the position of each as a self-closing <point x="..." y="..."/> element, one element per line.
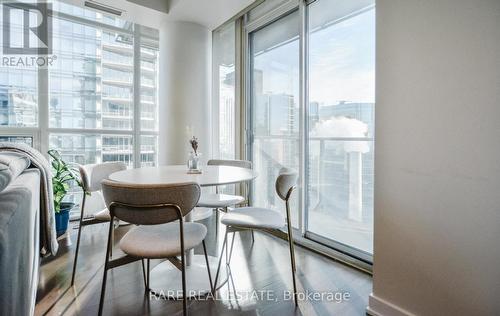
<point x="260" y="266"/>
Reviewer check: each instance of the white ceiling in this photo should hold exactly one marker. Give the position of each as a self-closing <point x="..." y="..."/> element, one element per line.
<point x="209" y="13"/>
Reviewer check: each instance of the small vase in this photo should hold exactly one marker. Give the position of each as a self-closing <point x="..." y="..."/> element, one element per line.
<point x="193" y="162"/>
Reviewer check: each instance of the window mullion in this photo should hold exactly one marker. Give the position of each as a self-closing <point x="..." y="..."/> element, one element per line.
<point x="239" y="116"/>
<point x="137" y="97"/>
<point x="43" y="110"/>
<point x="303" y="118"/>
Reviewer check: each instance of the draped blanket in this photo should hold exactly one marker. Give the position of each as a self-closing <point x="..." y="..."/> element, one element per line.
<point x="48" y="239"/>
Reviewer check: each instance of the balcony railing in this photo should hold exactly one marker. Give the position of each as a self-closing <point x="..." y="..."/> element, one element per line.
<point x="339" y="180"/>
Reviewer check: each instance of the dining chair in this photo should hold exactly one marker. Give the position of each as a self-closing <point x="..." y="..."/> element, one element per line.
<point x="244" y="218"/>
<point x="223" y="201"/>
<point x="219" y="201"/>
<point x="158" y="210"/>
<point x="91" y="176"/>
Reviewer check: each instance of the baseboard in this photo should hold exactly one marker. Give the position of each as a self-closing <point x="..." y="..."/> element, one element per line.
<point x="380" y="307"/>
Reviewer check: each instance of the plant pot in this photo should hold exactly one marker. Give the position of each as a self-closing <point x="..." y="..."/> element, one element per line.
<point x="62" y="218"/>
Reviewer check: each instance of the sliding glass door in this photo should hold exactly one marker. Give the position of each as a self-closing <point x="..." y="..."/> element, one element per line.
<point x="341" y="86"/>
<point x="338" y="51"/>
<point x="274" y="51"/>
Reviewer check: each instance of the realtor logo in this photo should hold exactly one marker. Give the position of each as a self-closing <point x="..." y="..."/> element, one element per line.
<point x="27" y="30"/>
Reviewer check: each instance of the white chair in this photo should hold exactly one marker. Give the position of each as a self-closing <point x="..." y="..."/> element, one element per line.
<point x="91" y="176"/>
<point x="223" y="201"/>
<point x="260" y="218"/>
<point x="162" y="233"/>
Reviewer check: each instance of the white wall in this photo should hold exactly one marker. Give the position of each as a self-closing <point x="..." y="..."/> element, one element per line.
<point x="437" y="187"/>
<point x="184" y="86"/>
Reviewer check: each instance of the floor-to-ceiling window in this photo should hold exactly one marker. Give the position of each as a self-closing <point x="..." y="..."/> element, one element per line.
<point x="341" y="122"/>
<point x="97" y="101"/>
<point x="89" y="110"/>
<point x="224" y="91"/>
<point x="309" y="68"/>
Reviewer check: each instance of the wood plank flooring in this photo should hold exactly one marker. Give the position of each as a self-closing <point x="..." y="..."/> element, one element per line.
<point x="260" y="266"/>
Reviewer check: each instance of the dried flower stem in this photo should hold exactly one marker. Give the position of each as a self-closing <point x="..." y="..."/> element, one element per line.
<point x="194" y="144"/>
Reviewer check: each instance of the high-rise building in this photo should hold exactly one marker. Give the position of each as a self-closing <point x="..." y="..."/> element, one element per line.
<point x="92" y="87"/>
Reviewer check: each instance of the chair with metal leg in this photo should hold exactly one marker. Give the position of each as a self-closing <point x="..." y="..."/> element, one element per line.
<point x="261" y="218"/>
<point x="223" y="201"/>
<point x="219" y="201"/>
<point x="91" y="176"/>
<point x="159" y="211"/>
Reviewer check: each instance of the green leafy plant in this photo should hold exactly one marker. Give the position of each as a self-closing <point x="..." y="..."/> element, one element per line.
<point x="64" y="175"/>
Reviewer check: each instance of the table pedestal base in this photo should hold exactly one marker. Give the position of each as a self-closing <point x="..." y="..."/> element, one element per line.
<point x="201" y="213"/>
<point x="166" y="279"/>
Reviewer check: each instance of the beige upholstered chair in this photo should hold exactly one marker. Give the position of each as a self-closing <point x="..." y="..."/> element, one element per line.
<point x="162" y="232"/>
<point x="223" y="201"/>
<point x="260" y="218"/>
<point x="92" y="175"/>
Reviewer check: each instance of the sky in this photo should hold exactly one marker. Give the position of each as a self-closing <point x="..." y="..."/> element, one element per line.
<point x="342" y="63"/>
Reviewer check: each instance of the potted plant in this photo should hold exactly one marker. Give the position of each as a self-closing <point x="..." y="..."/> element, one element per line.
<point x="64" y="175"/>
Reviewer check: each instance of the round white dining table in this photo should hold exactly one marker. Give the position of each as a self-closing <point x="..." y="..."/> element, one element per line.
<point x="166" y="279"/>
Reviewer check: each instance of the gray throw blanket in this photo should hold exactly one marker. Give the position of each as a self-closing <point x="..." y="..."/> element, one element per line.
<point x="48" y="237"/>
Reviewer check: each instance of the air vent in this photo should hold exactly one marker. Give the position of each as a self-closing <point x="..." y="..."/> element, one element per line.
<point x="103" y="7"/>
